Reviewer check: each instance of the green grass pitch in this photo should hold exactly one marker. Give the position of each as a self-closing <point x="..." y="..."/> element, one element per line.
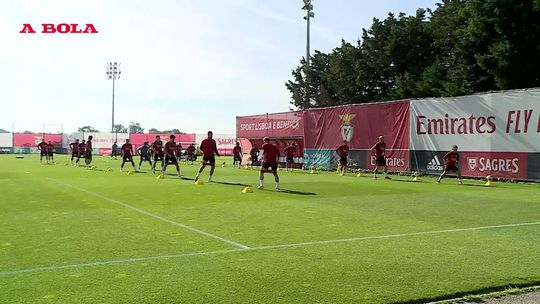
<point x="70" y="235"/>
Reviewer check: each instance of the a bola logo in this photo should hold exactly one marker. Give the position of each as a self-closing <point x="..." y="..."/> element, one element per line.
<point x="347" y="128"/>
<point x="472" y="162"/>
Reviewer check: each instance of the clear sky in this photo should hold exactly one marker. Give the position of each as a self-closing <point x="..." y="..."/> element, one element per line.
<point x="191" y="65"/>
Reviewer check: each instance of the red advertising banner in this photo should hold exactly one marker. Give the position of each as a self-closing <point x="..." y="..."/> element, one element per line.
<point x="276" y="125"/>
<point x="139" y="139"/>
<point x="32" y="140"/>
<point x="511" y="165"/>
<point x="360" y="124"/>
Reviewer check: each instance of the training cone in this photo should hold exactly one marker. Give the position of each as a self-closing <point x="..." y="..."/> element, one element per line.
<point x="65" y="164"/>
<point x="161" y="176"/>
<point x="109" y="169"/>
<point x="488" y="183"/>
<point x="247" y="190"/>
<point x="359" y="174"/>
<point x="199" y="182"/>
<point x="130" y="172"/>
<point x="312" y="171"/>
<point x="416" y="179"/>
<point x="93" y="167"/>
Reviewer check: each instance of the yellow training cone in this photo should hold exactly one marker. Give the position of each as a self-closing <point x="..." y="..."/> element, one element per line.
<point x="416" y="179"/>
<point x="359" y="174"/>
<point x="199" y="182"/>
<point x="247" y="190"/>
<point x="109" y="169"/>
<point x="488" y="183"/>
<point x="130" y="172"/>
<point x="159" y="177"/>
<point x="312" y="171"/>
<point x="65" y="164"/>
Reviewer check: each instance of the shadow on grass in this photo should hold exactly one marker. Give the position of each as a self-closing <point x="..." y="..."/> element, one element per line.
<point x="461" y="294"/>
<point x="287" y="191"/>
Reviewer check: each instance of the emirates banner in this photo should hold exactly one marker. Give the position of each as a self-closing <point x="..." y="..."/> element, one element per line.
<point x="361" y="125"/>
<point x="276" y="125"/>
<point x="498" y="134"/>
<point x="501" y="122"/>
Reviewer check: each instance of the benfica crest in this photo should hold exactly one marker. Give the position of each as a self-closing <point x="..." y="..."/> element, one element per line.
<point x="472" y="163"/>
<point x="347" y="127"/>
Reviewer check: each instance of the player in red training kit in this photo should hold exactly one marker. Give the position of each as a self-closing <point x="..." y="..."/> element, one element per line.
<point x="270" y="158"/>
<point x="74" y="150"/>
<point x="451" y="163"/>
<point x="237" y="155"/>
<point x="190" y="152"/>
<point x="42" y="147"/>
<point x="127" y="155"/>
<point x="88" y="155"/>
<point x="157" y="150"/>
<point x="171" y="154"/>
<point x="81" y="148"/>
<point x="290" y="152"/>
<point x="343" y="153"/>
<point x="254" y="155"/>
<point x="209" y="149"/>
<point x="380" y="160"/>
<point x="50" y="151"/>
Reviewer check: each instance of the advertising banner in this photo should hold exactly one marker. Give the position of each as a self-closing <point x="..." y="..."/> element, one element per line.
<point x="277" y="125"/>
<point x="225" y="142"/>
<point x="138" y="140"/>
<point x="497" y="164"/>
<point x="6" y="140"/>
<point x="500" y="122"/>
<point x="100" y="140"/>
<point x="361" y="125"/>
<point x="31" y="140"/>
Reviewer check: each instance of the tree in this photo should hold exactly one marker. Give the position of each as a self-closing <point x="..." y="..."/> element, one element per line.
<point x="3" y="131"/>
<point x="154" y="130"/>
<point x="28" y="132"/>
<point x="119" y="128"/>
<point x="135" y="127"/>
<point x="88" y="129"/>
<point x="172" y="131"/>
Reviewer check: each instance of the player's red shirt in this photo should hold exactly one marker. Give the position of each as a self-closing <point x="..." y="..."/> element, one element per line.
<point x="254" y="152"/>
<point x="209" y="147"/>
<point x="127" y="149"/>
<point x="290" y="151"/>
<point x="178" y="150"/>
<point x="191" y="149"/>
<point x="236" y="151"/>
<point x="451" y="158"/>
<point x="50" y="147"/>
<point x="89" y="146"/>
<point x="73" y="146"/>
<point x="271" y="153"/>
<point x="170" y="148"/>
<point x="82" y="148"/>
<point x="157" y="146"/>
<point x="379" y="148"/>
<point x="42" y="146"/>
<point x="343" y="151"/>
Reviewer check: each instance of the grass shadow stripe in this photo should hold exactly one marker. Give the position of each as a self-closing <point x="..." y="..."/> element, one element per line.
<point x="148" y="213"/>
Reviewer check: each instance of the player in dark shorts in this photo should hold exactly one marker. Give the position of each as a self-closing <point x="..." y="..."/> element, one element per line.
<point x="343" y="154"/>
<point x="451" y="164"/>
<point x="171" y="154"/>
<point x="270" y="158"/>
<point x="114" y="150"/>
<point x="290" y="152"/>
<point x="157" y="151"/>
<point x="190" y="152"/>
<point x="74" y="150"/>
<point x="380" y="158"/>
<point x="237" y="155"/>
<point x="209" y="150"/>
<point x="254" y="155"/>
<point x="89" y="151"/>
<point x="50" y="151"/>
<point x="42" y="147"/>
<point x="81" y="148"/>
<point x="144" y="153"/>
<point x="127" y="155"/>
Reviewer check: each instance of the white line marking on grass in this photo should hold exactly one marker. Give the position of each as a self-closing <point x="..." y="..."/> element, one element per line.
<point x="159" y="217"/>
<point x="260" y="248"/>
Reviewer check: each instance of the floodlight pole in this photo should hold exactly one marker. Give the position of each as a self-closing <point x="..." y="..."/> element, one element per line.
<point x="113" y="73"/>
<point x="308" y="7"/>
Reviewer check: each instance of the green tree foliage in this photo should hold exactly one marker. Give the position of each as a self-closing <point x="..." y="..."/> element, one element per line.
<point x="89" y="129"/>
<point x="135" y="127"/>
<point x="153" y="130"/>
<point x="119" y="128"/>
<point x="461" y="47"/>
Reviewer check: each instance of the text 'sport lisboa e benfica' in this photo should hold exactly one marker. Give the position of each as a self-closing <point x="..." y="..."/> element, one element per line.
<point x="498" y="133"/>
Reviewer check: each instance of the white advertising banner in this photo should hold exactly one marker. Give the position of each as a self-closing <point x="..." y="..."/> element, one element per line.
<point x="499" y="122"/>
<point x="225" y="142"/>
<point x="6" y="140"/>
